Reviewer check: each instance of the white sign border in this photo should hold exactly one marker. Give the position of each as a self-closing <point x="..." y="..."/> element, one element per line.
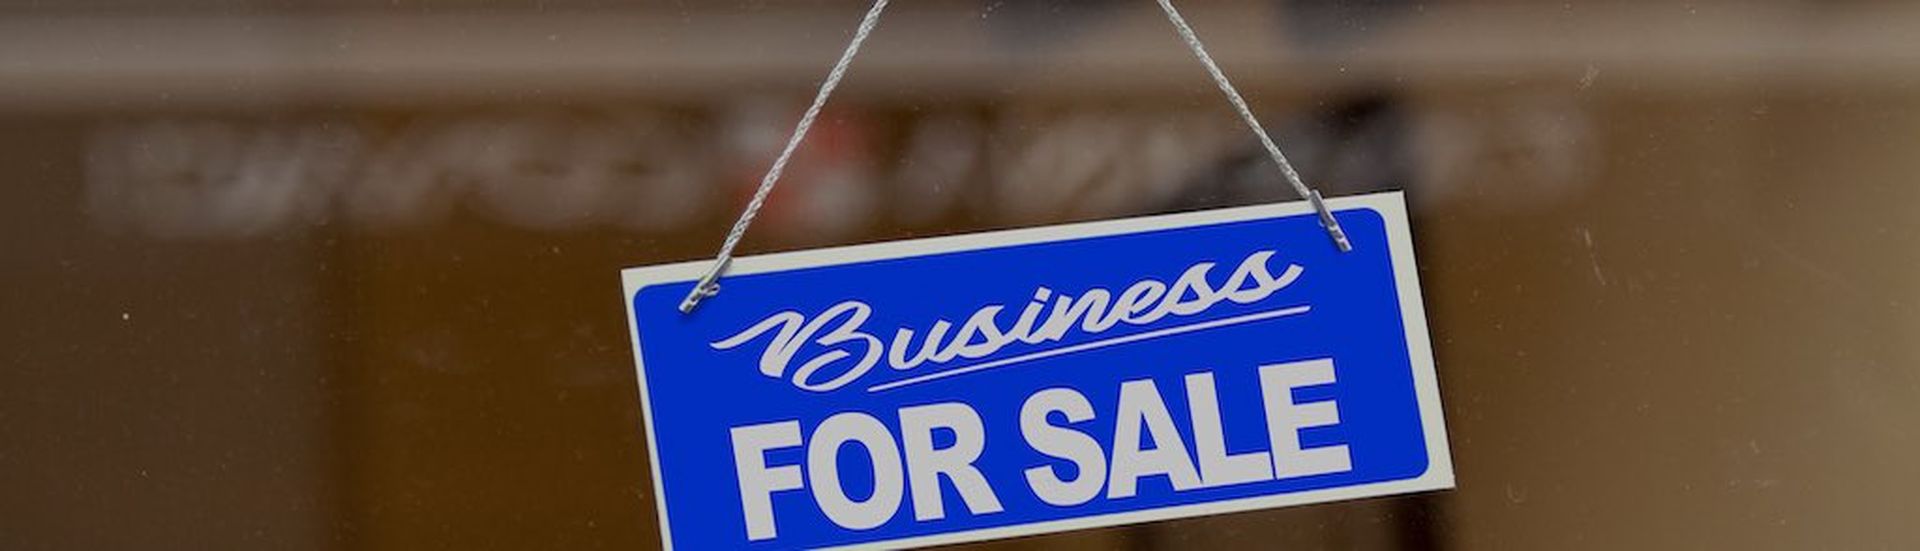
<point x="1391" y="206"/>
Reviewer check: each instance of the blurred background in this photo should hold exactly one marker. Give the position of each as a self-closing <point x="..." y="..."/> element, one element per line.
<point x="301" y="274"/>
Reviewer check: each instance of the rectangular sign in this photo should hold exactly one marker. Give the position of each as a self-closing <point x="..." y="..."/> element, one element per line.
<point x="1039" y="380"/>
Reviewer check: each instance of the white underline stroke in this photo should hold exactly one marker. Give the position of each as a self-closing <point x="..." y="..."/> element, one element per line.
<point x="1082" y="347"/>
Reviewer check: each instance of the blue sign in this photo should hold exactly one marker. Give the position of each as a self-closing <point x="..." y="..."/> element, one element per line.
<point x="1039" y="380"/>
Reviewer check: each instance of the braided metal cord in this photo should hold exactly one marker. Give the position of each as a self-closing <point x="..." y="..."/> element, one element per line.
<point x="709" y="285"/>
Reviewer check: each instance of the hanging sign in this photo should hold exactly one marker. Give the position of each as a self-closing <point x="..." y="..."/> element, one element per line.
<point x="1039" y="380"/>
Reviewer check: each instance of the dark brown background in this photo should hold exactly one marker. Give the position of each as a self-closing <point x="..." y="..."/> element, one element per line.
<point x="1669" y="250"/>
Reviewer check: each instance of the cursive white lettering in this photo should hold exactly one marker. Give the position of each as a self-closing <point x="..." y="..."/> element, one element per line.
<point x="851" y="352"/>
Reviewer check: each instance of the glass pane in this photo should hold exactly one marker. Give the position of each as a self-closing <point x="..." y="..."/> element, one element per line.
<point x="343" y="275"/>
